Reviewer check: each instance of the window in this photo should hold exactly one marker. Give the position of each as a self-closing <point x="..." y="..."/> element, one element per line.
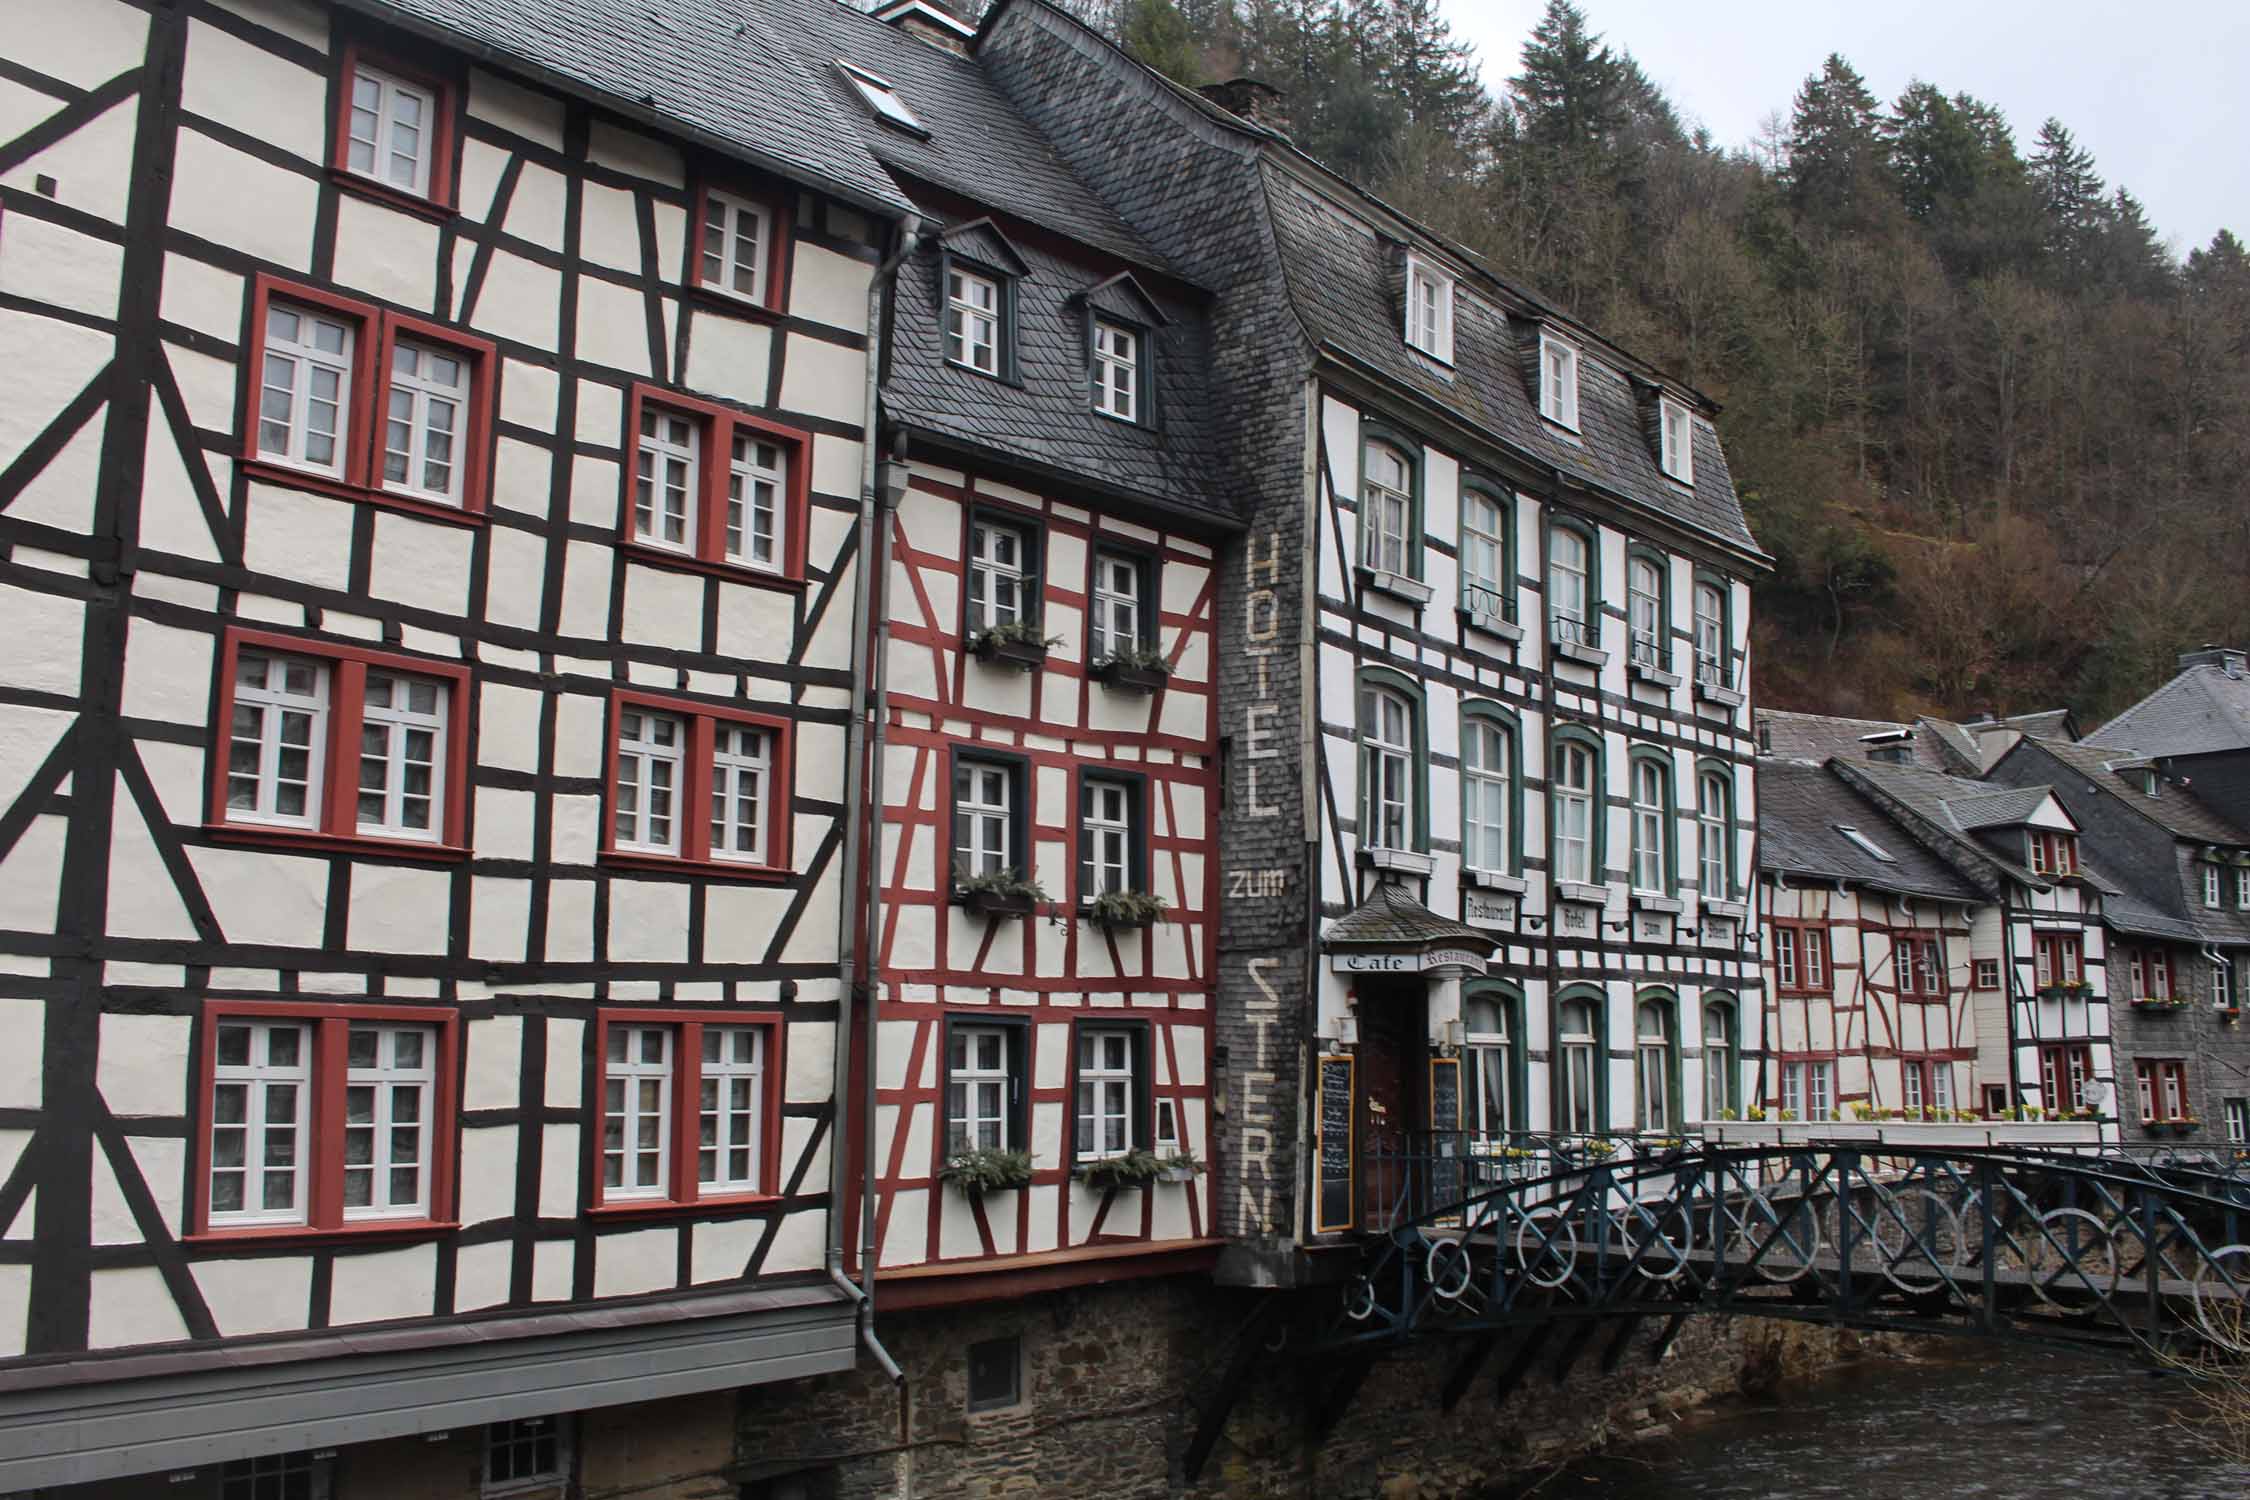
<point x="1987" y="973"/>
<point x="328" y="1119"/>
<point x="279" y="1476"/>
<point x="1108" y="1092"/>
<point x="1109" y="844"/>
<point x="1487" y="564"/>
<point x="526" y="1452"/>
<point x="1719" y="1071"/>
<point x="425" y="421"/>
<point x="1487" y="794"/>
<point x="1920" y="966"/>
<point x="1714" y="822"/>
<point x="1489" y="1036"/>
<point x="2211" y="886"/>
<point x="305" y="395"/>
<point x="1386" y="510"/>
<point x="2222" y="982"/>
<point x="1654" y="1063"/>
<point x="1652" y="823"/>
<point x="2055" y="958"/>
<point x="327" y="742"/>
<point x="1677" y="439"/>
<point x="2162" y="1083"/>
<point x="1926" y="1084"/>
<point x="983" y="1088"/>
<point x="739" y="249"/>
<point x="1123" y="617"/>
<point x="715" y="488"/>
<point x="1558" y="381"/>
<point x="1429" y="309"/>
<point x="395" y="130"/>
<point x="1808" y="1089"/>
<point x="1711" y="635"/>
<point x="1387" y="738"/>
<point x="689" y="1110"/>
<point x="1864" y="844"/>
<point x="1578" y="1098"/>
<point x="1644" y="605"/>
<point x="695" y="783"/>
<point x="972" y="320"/>
<point x="2053" y="853"/>
<point x="2242" y="888"/>
<point x="987" y="832"/>
<point x="2064" y="1071"/>
<point x="1577" y="783"/>
<point x="2238" y="1121"/>
<point x="1800" y="958"/>
<point x="1569" y="598"/>
<point x="1117" y="371"/>
<point x="882" y="98"/>
<point x="995" y="1374"/>
<point x="2152" y="973"/>
<point x="1002" y="576"/>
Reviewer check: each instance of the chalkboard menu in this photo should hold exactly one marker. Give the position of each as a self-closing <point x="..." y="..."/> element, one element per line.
<point x="1332" y="1151"/>
<point x="1445" y="1118"/>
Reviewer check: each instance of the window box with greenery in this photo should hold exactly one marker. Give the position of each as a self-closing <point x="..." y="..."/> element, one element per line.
<point x="1011" y="643"/>
<point x="1129" y="1169"/>
<point x="1125" y="910"/>
<point x="2160" y="1002"/>
<point x="1132" y="668"/>
<point x="987" y="1169"/>
<point x="2068" y="989"/>
<point x="1000" y="893"/>
<point x="1178" y="1166"/>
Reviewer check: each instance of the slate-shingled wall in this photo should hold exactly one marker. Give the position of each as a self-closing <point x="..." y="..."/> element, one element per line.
<point x="1192" y="187"/>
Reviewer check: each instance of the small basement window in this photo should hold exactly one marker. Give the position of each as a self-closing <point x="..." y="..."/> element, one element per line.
<point x="525" y="1453"/>
<point x="1865" y="844"/>
<point x="995" y="1374"/>
<point x="882" y="98"/>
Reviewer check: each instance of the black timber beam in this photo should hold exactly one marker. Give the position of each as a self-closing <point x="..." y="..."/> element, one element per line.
<point x="1211" y="1417"/>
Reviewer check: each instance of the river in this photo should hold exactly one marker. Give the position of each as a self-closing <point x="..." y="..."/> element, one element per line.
<point x="1962" y="1421"/>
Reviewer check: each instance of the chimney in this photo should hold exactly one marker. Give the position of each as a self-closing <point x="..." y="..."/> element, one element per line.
<point x="930" y="20"/>
<point x="2232" y="660"/>
<point x="1260" y="103"/>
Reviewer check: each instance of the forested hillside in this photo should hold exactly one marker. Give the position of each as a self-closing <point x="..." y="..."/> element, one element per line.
<point x="1994" y="434"/>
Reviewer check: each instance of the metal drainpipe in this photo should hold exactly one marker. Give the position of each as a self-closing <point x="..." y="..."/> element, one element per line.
<point x="863" y="818"/>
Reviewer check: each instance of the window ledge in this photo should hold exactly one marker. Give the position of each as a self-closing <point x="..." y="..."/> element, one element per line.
<point x="1722" y="908"/>
<point x="266" y="471"/>
<point x="674" y="864"/>
<point x="636" y="1208"/>
<point x="1492" y="625"/>
<point x="391" y="197"/>
<point x="1581" y="892"/>
<point x="276" y="837"/>
<point x="1492" y="880"/>
<point x="1655" y="901"/>
<point x="1715" y="692"/>
<point x="1404" y="861"/>
<point x="1397" y="585"/>
<point x="712" y="299"/>
<point x="1648" y="671"/>
<point x="292" y="1234"/>
<point x="1583" y="654"/>
<point x="664" y="557"/>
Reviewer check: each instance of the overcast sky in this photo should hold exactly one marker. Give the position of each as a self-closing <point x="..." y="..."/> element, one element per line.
<point x="2155" y="91"/>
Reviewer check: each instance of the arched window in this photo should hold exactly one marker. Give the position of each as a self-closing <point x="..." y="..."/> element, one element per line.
<point x="1569" y="590"/>
<point x="1488" y="1017"/>
<point x="1655" y="1061"/>
<point x="1578" y="1045"/>
<point x="1488" y="769"/>
<point x="1719" y="1070"/>
<point x="1652" y="824"/>
<point x="1485" y="560"/>
<point x="1386" y="735"/>
<point x="1577" y="783"/>
<point x="1644" y="610"/>
<point x="1386" y="508"/>
<point x="1714" y="808"/>
<point x="1710" y="634"/>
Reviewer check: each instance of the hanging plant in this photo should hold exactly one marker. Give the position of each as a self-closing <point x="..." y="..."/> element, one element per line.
<point x="1114" y="909"/>
<point x="1133" y="667"/>
<point x="988" y="1169"/>
<point x="1017" y="643"/>
<point x="999" y="893"/>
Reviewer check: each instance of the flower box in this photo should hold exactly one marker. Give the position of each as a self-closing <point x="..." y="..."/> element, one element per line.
<point x="992" y="904"/>
<point x="1127" y="677"/>
<point x="987" y="1170"/>
<point x="1008" y="652"/>
<point x="2159" y="1003"/>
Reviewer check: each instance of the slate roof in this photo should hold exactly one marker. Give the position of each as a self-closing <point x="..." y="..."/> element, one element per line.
<point x="2048" y="723"/>
<point x="1929" y="795"/>
<point x="1800" y="805"/>
<point x="2199" y="712"/>
<point x="2009" y="807"/>
<point x="1942" y="745"/>
<point x="706" y="68"/>
<point x="1339" y="279"/>
<point x="2175" y="808"/>
<point x="1390" y="918"/>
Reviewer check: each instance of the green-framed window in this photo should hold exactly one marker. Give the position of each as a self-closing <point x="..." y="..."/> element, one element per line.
<point x="1492" y="1047"/>
<point x="1648" y="615"/>
<point x="1655" y="870"/>
<point x="1713" y="608"/>
<point x="1575" y="805"/>
<point x="1581" y="1075"/>
<point x="1491" y="789"/>
<point x="1394" y="759"/>
<point x="1714" y="831"/>
<point x="1656" y="1060"/>
<point x="1722" y="1054"/>
<point x="1487" y="553"/>
<point x="1390" y="501"/>
<point x="1574" y="572"/>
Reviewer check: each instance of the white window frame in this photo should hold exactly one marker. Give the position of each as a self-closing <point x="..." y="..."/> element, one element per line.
<point x="1108" y="819"/>
<point x="1865" y="844"/>
<point x="626" y="1074"/>
<point x="1117" y="371"/>
<point x="1570" y="608"/>
<point x="2242" y="887"/>
<point x="1117" y="604"/>
<point x="1558" y="381"/>
<point x="1676" y="429"/>
<point x="2213" y="889"/>
<point x="257" y="1077"/>
<point x="1487" y="795"/>
<point x="1652" y="852"/>
<point x="1579" y="1091"/>
<point x="641" y="752"/>
<point x="988" y="571"/>
<point x="542" y="1479"/>
<point x="964" y="1072"/>
<point x="756" y="491"/>
<point x="1793" y="1089"/>
<point x="1820" y="1090"/>
<point x="1718" y="1058"/>
<point x="423" y="397"/>
<point x="736" y="774"/>
<point x="305" y="360"/>
<point x="399" y="724"/>
<point x="1576" y="786"/>
<point x="990" y="848"/>
<point x="1389" y="797"/>
<point x="972" y="329"/>
<point x="720" y="267"/>
<point x="1710" y="635"/>
<point x="662" y="467"/>
<point x="1491" y="1055"/>
<point x="1644" y="609"/>
<point x="1715" y="837"/>
<point x="380" y="141"/>
<point x="2238" y="1121"/>
<point x="1104" y="1095"/>
<point x="725" y="1124"/>
<point x="1429" y="309"/>
<point x="1652" y="1057"/>
<point x="2222" y="981"/>
<point x="1485" y="563"/>
<point x="275" y="706"/>
<point x="1386" y="512"/>
<point x="882" y="97"/>
<point x="1785" y="940"/>
<point x="390" y="1082"/>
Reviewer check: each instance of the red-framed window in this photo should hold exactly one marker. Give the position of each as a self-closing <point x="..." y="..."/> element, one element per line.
<point x="690" y="1108"/>
<point x="396" y="131"/>
<point x="1926" y="1083"/>
<point x="2163" y="1087"/>
<point x="2065" y="1068"/>
<point x="1800" y="958"/>
<point x="1920" y="965"/>
<point x="2055" y="958"/>
<point x="715" y="489"/>
<point x="692" y="783"/>
<point x="327" y="1118"/>
<point x="367" y="403"/>
<point x="738" y="252"/>
<point x="2150" y="971"/>
<point x="2054" y="853"/>
<point x="337" y="745"/>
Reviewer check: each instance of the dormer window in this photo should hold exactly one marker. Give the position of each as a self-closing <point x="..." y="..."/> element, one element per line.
<point x="1117" y="371"/>
<point x="1865" y="844"/>
<point x="2053" y="853"/>
<point x="2211" y="886"/>
<point x="1558" y="381"/>
<point x="1429" y="309"/>
<point x="972" y="320"/>
<point x="883" y="99"/>
<point x="1677" y="439"/>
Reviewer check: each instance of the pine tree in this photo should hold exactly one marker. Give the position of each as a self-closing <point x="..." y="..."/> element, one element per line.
<point x="1432" y="74"/>
<point x="1568" y="94"/>
<point x="2070" y="201"/>
<point x="1836" y="148"/>
<point x="1155" y="32"/>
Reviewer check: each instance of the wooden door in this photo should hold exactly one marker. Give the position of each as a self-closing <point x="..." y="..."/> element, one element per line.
<point x="1391" y="1048"/>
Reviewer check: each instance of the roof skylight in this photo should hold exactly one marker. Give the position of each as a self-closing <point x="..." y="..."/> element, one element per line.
<point x="1864" y="842"/>
<point x="882" y="98"/>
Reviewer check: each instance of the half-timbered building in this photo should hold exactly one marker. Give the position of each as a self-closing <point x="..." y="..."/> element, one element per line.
<point x="431" y="468"/>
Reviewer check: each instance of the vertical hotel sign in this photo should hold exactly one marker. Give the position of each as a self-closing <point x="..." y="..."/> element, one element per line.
<point x="1248" y="889"/>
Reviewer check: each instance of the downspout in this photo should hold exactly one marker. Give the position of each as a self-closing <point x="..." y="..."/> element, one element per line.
<point x="863" y="816"/>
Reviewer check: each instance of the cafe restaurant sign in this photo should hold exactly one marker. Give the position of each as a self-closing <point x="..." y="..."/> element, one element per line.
<point x="1407" y="963"/>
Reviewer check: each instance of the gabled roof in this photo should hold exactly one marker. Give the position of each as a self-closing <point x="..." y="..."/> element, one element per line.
<point x="1926" y="796"/>
<point x="1122" y="297"/>
<point x="2011" y="807"/>
<point x="981" y="241"/>
<point x="1802" y="806"/>
<point x="2048" y="723"/>
<point x="2174" y="808"/>
<point x="1819" y="736"/>
<point x="2200" y="711"/>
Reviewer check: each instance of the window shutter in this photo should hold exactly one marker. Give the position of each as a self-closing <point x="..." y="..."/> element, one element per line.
<point x="1526" y="332"/>
<point x="1018" y="1069"/>
<point x="1138" y="835"/>
<point x="1144" y="1091"/>
<point x="1085" y="839"/>
<point x="1034" y="546"/>
<point x="1394" y="281"/>
<point x="1019" y="817"/>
